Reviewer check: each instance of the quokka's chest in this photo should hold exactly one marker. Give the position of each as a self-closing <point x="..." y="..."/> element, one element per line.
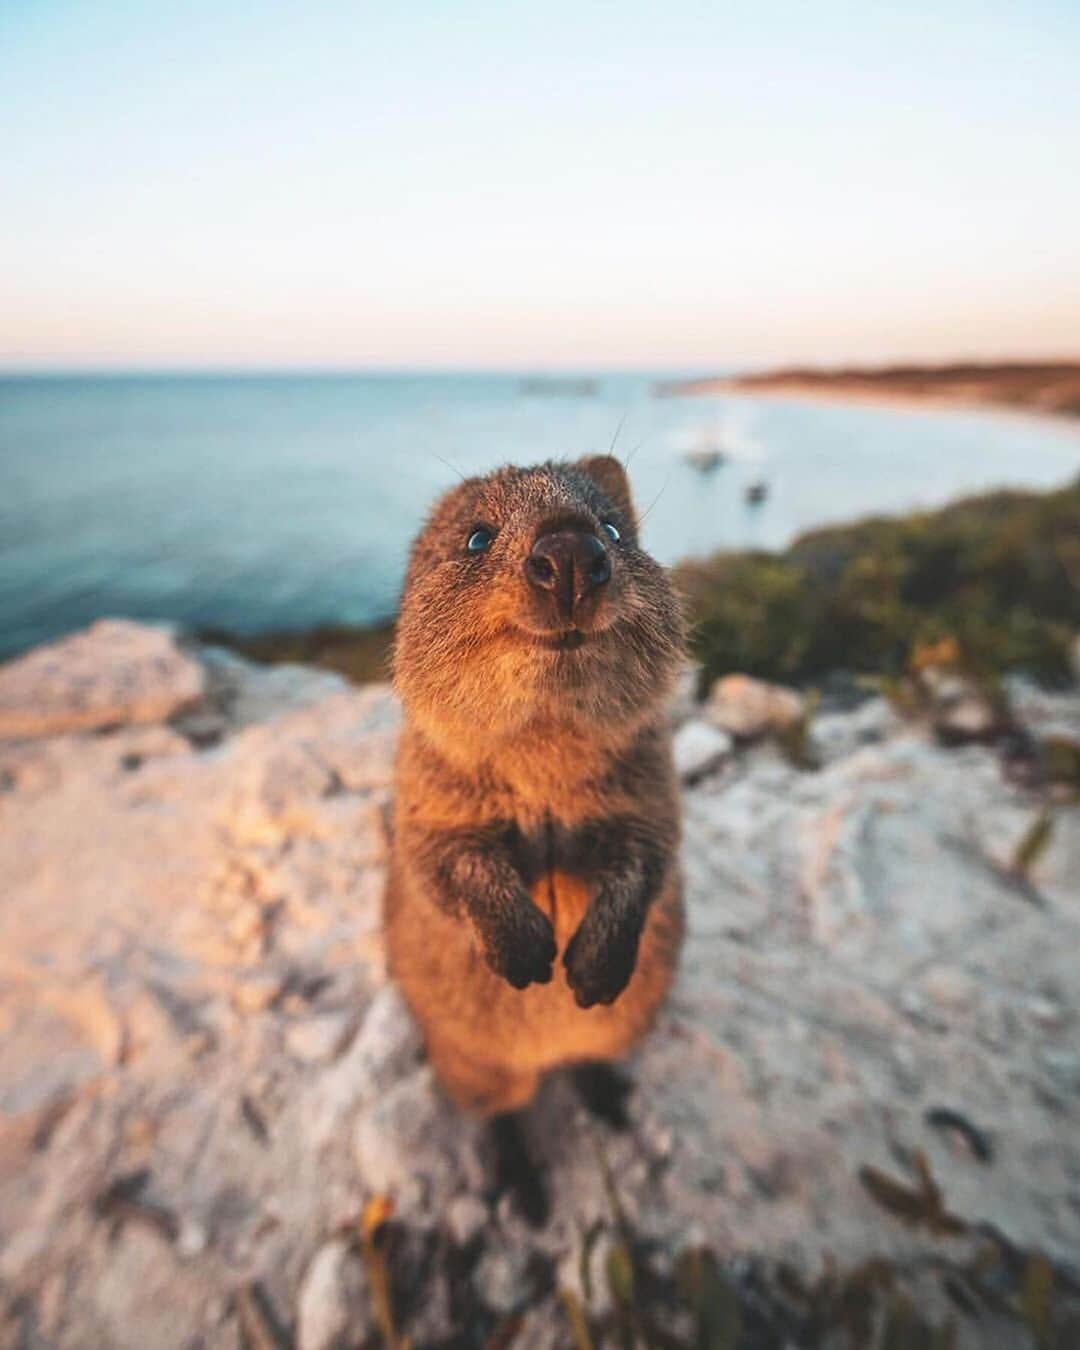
<point x="564" y="898"/>
<point x="558" y="865"/>
<point x="544" y="845"/>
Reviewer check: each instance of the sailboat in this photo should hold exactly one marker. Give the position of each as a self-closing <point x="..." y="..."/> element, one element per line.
<point x="708" y="455"/>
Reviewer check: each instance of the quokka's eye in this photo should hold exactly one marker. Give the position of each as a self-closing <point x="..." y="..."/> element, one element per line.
<point x="480" y="540"/>
<point x="610" y="530"/>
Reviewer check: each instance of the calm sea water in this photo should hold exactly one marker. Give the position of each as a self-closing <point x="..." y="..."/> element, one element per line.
<point x="252" y="503"/>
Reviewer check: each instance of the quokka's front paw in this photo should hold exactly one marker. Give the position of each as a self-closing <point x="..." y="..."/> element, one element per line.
<point x="519" y="944"/>
<point x="600" y="958"/>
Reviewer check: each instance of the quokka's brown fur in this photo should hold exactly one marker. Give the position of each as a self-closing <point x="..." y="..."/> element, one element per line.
<point x="533" y="910"/>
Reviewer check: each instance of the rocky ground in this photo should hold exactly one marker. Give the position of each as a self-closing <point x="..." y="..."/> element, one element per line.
<point x="858" y="1119"/>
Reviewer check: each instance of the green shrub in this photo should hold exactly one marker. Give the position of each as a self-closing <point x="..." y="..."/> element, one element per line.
<point x="1000" y="574"/>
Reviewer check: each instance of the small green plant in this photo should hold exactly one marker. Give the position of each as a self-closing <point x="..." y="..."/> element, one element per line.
<point x="992" y="579"/>
<point x="1033" y="843"/>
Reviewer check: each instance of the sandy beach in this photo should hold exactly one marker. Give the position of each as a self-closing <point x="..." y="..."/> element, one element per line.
<point x="1041" y="388"/>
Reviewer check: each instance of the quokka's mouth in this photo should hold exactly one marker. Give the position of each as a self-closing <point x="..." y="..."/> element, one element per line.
<point x="569" y="641"/>
<point x="561" y="639"/>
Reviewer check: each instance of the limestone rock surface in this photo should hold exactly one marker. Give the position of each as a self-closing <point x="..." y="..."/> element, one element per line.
<point x="750" y="709"/>
<point x="206" y="1075"/>
<point x="113" y="673"/>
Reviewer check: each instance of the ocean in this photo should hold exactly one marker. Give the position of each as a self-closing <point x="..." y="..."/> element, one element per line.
<point x="252" y="503"/>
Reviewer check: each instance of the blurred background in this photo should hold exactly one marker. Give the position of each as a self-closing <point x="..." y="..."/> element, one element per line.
<point x="271" y="278"/>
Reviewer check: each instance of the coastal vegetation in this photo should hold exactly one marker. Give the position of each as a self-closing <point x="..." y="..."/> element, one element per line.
<point x="998" y="575"/>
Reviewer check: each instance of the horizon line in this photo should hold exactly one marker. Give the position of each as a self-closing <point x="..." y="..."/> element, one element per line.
<point x="62" y="370"/>
<point x="227" y="370"/>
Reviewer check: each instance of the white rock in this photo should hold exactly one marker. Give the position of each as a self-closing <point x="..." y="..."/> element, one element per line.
<point x="202" y="728"/>
<point x="502" y="1279"/>
<point x="466" y="1217"/>
<point x="834" y="735"/>
<point x="321" y="1037"/>
<point x="330" y="1313"/>
<point x="959" y="710"/>
<point x="968" y="718"/>
<point x="952" y="991"/>
<point x="1044" y="712"/>
<point x="412" y="1144"/>
<point x="699" y="748"/>
<point x="1064" y="1066"/>
<point x="749" y="708"/>
<point x="191" y="1239"/>
<point x="144" y="1283"/>
<point x="1049" y="1013"/>
<point x="256" y="993"/>
<point x="857" y="950"/>
<point x="115" y="672"/>
<point x="251" y="693"/>
<point x="386" y="1049"/>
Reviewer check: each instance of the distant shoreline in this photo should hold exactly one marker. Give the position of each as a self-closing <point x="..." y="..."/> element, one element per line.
<point x="1048" y="388"/>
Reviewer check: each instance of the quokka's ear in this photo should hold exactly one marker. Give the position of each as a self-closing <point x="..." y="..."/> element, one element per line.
<point x="610" y="477"/>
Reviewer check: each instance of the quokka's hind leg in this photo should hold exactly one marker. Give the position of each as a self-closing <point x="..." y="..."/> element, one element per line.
<point x="514" y="1170"/>
<point x="604" y="1089"/>
<point x="476" y="1087"/>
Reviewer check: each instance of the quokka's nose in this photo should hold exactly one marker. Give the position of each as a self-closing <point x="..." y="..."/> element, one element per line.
<point x="570" y="564"/>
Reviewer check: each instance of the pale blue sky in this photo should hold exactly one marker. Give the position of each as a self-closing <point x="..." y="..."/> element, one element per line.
<point x="683" y="185"/>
